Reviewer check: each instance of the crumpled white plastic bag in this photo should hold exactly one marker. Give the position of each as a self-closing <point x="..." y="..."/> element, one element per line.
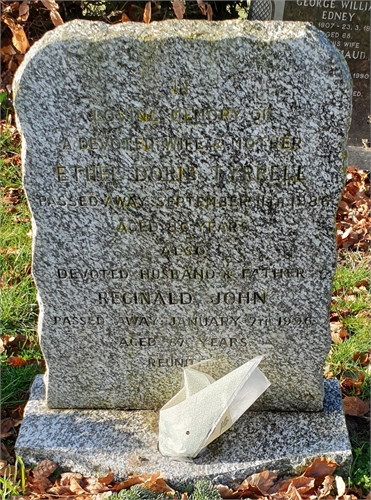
<point x="205" y="408"/>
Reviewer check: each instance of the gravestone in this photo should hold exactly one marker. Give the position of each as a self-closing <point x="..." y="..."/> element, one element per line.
<point x="347" y="25"/>
<point x="183" y="179"/>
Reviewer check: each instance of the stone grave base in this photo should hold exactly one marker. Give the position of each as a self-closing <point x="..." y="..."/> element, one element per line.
<point x="94" y="442"/>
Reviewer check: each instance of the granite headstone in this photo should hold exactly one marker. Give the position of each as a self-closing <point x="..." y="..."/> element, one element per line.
<point x="347" y="25"/>
<point x="183" y="179"/>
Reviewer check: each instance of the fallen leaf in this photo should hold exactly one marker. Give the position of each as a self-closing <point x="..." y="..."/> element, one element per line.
<point x="12" y="196"/>
<point x="19" y="38"/>
<point x="15" y="361"/>
<point x="302" y="484"/>
<point x="363" y="358"/>
<point x="8" y="51"/>
<point x="355" y="406"/>
<point x="44" y="469"/>
<point x="56" y="18"/>
<point x="66" y="478"/>
<point x="326" y="486"/>
<point x="128" y="483"/>
<point x="50" y="4"/>
<point x="94" y="486"/>
<point x="59" y="490"/>
<point x="39" y="486"/>
<point x="125" y="18"/>
<point x="352" y="381"/>
<point x="263" y="480"/>
<point x="202" y="6"/>
<point x="209" y="12"/>
<point x="107" y="479"/>
<point x="3" y="464"/>
<point x="6" y="428"/>
<point x="224" y="491"/>
<point x="156" y="482"/>
<point x="147" y="13"/>
<point x="151" y="481"/>
<point x="365" y="283"/>
<point x="5" y="453"/>
<point x="75" y="487"/>
<point x="178" y="8"/>
<point x="338" y="332"/>
<point x="340" y="485"/>
<point x="292" y="493"/>
<point x="320" y="468"/>
<point x="24" y="11"/>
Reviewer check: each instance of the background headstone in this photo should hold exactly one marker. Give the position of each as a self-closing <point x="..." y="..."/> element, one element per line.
<point x="347" y="25"/>
<point x="183" y="179"/>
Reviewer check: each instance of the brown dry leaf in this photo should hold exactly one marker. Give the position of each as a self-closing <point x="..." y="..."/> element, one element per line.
<point x="76" y="487"/>
<point x="178" y="8"/>
<point x="38" y="486"/>
<point x="147" y="13"/>
<point x="364" y="358"/>
<point x="353" y="382"/>
<point x="365" y="283"/>
<point x="11" y="343"/>
<point x="3" y="465"/>
<point x="94" y="486"/>
<point x="338" y="332"/>
<point x="224" y="491"/>
<point x="59" y="490"/>
<point x="132" y="481"/>
<point x="19" y="38"/>
<point x="8" y="50"/>
<point x="263" y="480"/>
<point x="125" y="18"/>
<point x="44" y="469"/>
<point x="50" y="4"/>
<point x="23" y="12"/>
<point x="12" y="196"/>
<point x="320" y="468"/>
<point x="53" y="7"/>
<point x="326" y="486"/>
<point x="6" y="428"/>
<point x="185" y="496"/>
<point x="209" y="12"/>
<point x="202" y="7"/>
<point x="355" y="406"/>
<point x="5" y="453"/>
<point x="303" y="485"/>
<point x="156" y="482"/>
<point x="107" y="479"/>
<point x="56" y="18"/>
<point x="15" y="361"/>
<point x="66" y="478"/>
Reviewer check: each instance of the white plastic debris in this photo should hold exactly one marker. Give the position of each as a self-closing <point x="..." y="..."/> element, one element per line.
<point x="204" y="408"/>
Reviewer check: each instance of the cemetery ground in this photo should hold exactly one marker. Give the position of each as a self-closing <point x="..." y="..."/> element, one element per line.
<point x="21" y="360"/>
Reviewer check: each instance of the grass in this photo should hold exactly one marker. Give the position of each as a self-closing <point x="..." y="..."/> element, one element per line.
<point x="13" y="481"/>
<point x="15" y="382"/>
<point x="351" y="303"/>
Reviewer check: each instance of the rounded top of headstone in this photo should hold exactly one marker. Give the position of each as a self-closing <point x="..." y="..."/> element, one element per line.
<point x="265" y="32"/>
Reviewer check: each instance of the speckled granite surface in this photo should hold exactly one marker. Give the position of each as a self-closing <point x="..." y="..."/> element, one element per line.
<point x="125" y="442"/>
<point x="183" y="179"/>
